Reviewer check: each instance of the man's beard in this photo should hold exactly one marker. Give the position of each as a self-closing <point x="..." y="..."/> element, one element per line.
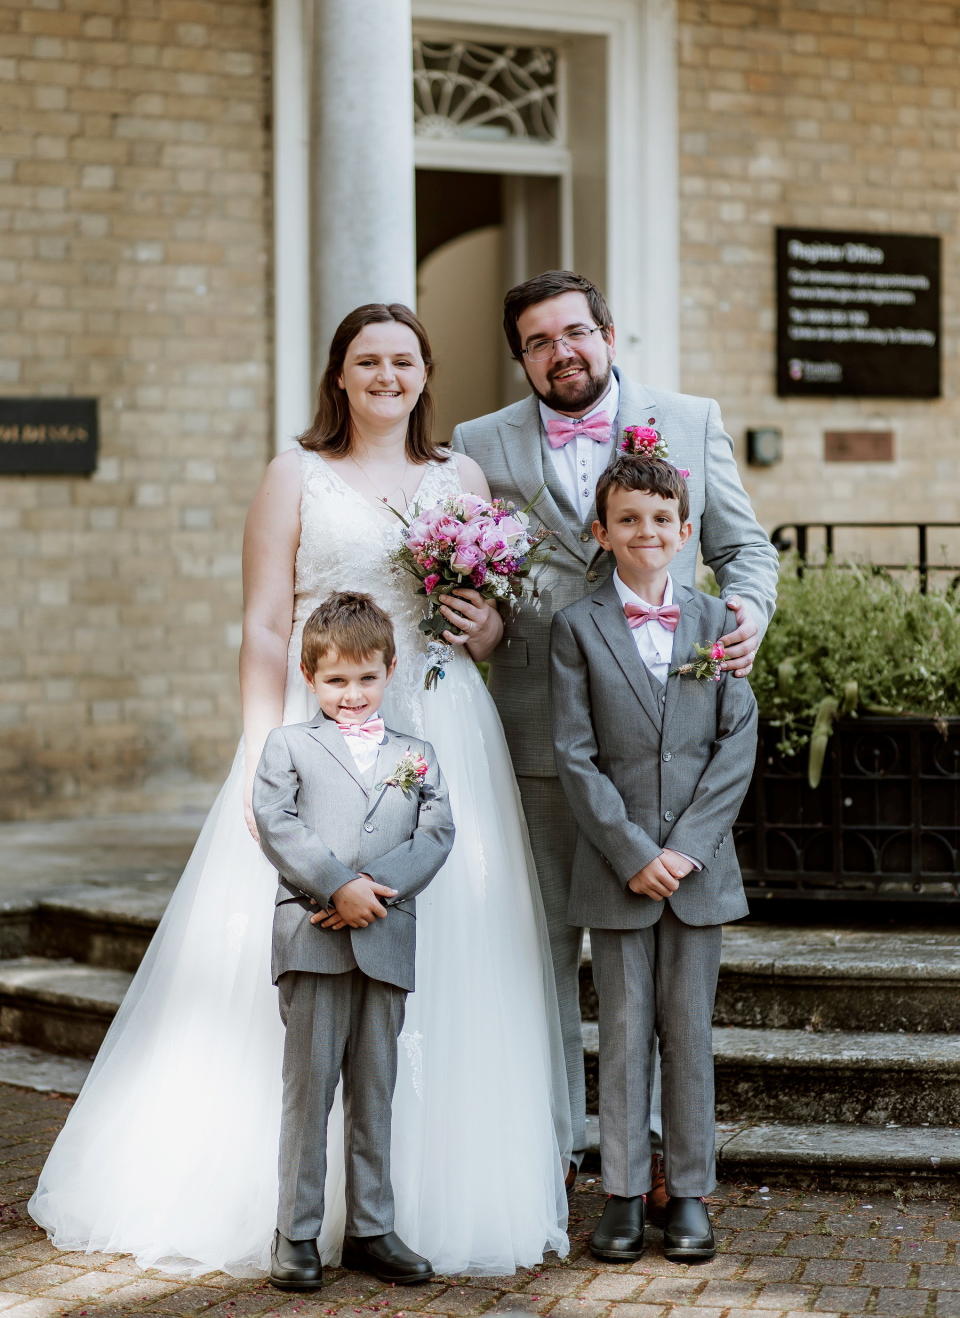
<point x="581" y="397"/>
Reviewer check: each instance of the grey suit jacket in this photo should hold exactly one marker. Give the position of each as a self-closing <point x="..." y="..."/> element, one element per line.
<point x="320" y="826"/>
<point x="641" y="776"/>
<point x="510" y="447"/>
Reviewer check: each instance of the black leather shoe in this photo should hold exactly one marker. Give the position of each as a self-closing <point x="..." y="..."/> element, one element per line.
<point x="687" y="1233"/>
<point x="618" y="1236"/>
<point x="295" y="1264"/>
<point x="386" y="1257"/>
<point x="570" y="1180"/>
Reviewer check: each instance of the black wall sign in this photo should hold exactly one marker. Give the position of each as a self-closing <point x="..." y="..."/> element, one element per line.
<point x="48" y="436"/>
<point x="858" y="314"/>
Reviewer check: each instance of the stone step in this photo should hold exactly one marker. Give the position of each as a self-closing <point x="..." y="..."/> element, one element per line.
<point x="831" y="979"/>
<point x="102" y="924"/>
<point x="47" y="1073"/>
<point x="58" y="1006"/>
<point x="917" y="1159"/>
<point x="800" y="1076"/>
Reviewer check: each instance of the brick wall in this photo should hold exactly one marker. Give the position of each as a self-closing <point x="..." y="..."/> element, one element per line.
<point x="822" y="114"/>
<point x="134" y="239"/>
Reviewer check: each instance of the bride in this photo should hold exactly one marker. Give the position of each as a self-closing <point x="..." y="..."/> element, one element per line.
<point x="170" y="1152"/>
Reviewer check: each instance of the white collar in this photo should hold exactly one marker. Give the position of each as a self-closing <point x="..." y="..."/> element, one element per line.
<point x="627" y="596"/>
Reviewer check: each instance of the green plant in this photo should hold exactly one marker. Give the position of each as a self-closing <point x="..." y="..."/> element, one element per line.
<point x="849" y="639"/>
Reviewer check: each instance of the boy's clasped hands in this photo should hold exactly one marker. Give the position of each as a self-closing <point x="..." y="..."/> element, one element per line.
<point x="661" y="876"/>
<point x="354" y="904"/>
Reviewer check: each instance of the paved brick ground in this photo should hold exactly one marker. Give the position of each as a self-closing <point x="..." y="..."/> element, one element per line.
<point x="782" y="1253"/>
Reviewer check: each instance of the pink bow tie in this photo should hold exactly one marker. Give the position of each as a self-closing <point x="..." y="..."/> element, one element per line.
<point x="372" y="730"/>
<point x="667" y="615"/>
<point x="560" y="432"/>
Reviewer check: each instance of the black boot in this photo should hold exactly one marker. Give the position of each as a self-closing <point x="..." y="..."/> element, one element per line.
<point x="687" y="1233"/>
<point x="295" y="1264"/>
<point x="618" y="1237"/>
<point x="386" y="1257"/>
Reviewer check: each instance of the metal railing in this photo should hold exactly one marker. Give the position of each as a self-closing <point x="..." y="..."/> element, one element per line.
<point x="802" y="543"/>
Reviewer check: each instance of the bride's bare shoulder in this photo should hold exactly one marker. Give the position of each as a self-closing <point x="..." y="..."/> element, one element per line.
<point x="471" y="475"/>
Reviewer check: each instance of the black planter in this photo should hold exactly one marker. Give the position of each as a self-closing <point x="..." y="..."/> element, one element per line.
<point x="884" y="822"/>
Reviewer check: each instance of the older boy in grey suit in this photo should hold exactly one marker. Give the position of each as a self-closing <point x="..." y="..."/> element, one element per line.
<point x="557" y="442"/>
<point x="356" y="819"/>
<point x="655" y="747"/>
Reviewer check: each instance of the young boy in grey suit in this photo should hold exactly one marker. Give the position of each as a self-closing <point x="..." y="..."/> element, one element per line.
<point x="655" y="746"/>
<point x="356" y="819"/>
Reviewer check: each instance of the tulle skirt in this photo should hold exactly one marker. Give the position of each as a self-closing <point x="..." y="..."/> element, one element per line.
<point x="170" y="1152"/>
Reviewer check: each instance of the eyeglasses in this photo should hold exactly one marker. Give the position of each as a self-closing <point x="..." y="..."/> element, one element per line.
<point x="540" y="349"/>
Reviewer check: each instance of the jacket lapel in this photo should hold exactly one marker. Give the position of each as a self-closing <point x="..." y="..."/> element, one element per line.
<point x="613" y="627"/>
<point x="325" y="731"/>
<point x="526" y="453"/>
<point x="689" y="629"/>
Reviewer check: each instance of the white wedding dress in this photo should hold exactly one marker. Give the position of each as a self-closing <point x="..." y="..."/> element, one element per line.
<point x="170" y="1152"/>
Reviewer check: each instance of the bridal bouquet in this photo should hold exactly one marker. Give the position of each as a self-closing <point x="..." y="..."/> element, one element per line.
<point x="466" y="541"/>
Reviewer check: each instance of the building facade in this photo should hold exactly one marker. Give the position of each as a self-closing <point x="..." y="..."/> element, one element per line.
<point x="194" y="193"/>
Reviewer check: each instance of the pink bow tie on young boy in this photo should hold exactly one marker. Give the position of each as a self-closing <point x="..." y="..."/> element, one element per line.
<point x="667" y="615"/>
<point x="372" y="730"/>
<point x="560" y="431"/>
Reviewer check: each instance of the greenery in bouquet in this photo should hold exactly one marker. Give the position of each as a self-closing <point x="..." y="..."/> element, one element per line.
<point x="848" y="639"/>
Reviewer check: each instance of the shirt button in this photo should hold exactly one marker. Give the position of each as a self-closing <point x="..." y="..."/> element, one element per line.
<point x="368" y="828"/>
<point x="584" y="536"/>
<point x="668" y="816"/>
<point x="592" y="576"/>
<point x="667" y="755"/>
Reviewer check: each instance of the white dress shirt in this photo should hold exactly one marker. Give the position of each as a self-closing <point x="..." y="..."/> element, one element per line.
<point x="581" y="463"/>
<point x="364" y="751"/>
<point x="654" y="642"/>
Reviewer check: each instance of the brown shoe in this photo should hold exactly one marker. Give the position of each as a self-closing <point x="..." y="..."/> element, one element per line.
<point x="657" y="1199"/>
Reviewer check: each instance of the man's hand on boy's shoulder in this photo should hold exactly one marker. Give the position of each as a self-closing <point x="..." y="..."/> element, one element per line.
<point x="661" y="876"/>
<point x="355" y="904"/>
<point x="741" y="645"/>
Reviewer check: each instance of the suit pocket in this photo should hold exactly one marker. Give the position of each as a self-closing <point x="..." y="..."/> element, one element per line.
<point x="512" y="654"/>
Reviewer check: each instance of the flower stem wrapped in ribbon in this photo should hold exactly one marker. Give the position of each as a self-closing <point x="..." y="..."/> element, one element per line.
<point x="706" y="666"/>
<point x="466" y="541"/>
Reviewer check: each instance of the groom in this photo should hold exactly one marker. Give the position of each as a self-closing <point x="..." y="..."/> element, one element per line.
<point x="562" y="437"/>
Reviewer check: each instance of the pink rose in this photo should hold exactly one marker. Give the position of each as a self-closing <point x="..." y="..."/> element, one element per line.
<point x="511" y="529"/>
<point x="467" y="558"/>
<point x="472" y="505"/>
<point x="431" y="582"/>
<point x="470" y="533"/>
<point x="717" y="651"/>
<point x="421" y="767"/>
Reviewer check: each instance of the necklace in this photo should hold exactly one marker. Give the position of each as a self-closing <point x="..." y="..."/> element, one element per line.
<point x="381" y="498"/>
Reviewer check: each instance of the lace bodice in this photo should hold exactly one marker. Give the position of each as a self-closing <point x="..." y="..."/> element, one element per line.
<point x="345" y="544"/>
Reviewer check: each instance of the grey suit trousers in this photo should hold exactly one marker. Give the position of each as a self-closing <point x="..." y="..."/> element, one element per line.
<point x="661" y="980"/>
<point x="337" y="1024"/>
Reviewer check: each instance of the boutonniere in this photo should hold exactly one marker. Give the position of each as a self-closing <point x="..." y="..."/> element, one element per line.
<point x="706" y="667"/>
<point x="409" y="772"/>
<point x="645" y="442"/>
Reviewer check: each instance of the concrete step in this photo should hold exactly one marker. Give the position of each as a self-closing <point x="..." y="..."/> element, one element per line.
<point x="48" y="1073"/>
<point x="58" y="1006"/>
<point x="921" y="1160"/>
<point x="831" y="979"/>
<point x="102" y="924"/>
<point x="801" y="1076"/>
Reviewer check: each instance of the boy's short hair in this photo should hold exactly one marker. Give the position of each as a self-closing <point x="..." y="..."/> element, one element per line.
<point x="351" y="624"/>
<point x="651" y="475"/>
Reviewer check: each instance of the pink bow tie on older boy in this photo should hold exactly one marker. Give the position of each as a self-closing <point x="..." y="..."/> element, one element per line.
<point x="372" y="730"/>
<point x="667" y="615"/>
<point x="560" y="431"/>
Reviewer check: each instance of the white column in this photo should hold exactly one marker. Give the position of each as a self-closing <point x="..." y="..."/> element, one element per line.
<point x="293" y="356"/>
<point x="363" y="166"/>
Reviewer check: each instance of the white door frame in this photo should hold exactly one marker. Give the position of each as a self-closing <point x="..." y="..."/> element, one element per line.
<point x="642" y="280"/>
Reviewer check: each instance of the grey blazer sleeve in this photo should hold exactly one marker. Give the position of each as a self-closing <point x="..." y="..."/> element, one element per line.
<point x="287" y="842"/>
<point x="411" y="865"/>
<point x="723" y="784"/>
<point x="595" y="801"/>
<point x="456" y="442"/>
<point x="732" y="541"/>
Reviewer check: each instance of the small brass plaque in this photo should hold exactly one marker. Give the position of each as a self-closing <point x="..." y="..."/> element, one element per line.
<point x="48" y="436"/>
<point x="858" y="446"/>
